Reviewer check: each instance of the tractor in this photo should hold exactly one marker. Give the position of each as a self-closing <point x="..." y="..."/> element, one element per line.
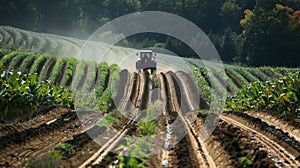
<point x="146" y="61"/>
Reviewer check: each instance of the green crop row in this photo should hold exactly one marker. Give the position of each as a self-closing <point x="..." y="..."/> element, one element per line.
<point x="90" y="78"/>
<point x="57" y="69"/>
<point x="79" y="74"/>
<point x="38" y="63"/>
<point x="7" y="58"/>
<point x="238" y="76"/>
<point x="204" y="88"/>
<point x="27" y="63"/>
<point x="17" y="60"/>
<point x="103" y="72"/>
<point x="21" y="94"/>
<point x="281" y="96"/>
<point x="227" y="81"/>
<point x="105" y="100"/>
<point x="246" y="74"/>
<point x="4" y="52"/>
<point x="68" y="74"/>
<point x="45" y="69"/>
<point x="259" y="74"/>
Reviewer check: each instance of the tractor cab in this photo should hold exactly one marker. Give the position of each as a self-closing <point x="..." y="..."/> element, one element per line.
<point x="146" y="61"/>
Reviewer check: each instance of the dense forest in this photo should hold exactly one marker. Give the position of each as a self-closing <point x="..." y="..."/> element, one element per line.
<point x="251" y="32"/>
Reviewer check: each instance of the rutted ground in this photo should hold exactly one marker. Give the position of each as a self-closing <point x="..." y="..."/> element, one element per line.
<point x="250" y="138"/>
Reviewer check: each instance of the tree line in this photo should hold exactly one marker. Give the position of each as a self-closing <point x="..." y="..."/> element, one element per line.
<point x="252" y="32"/>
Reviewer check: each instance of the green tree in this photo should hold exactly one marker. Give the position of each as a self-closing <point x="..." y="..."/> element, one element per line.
<point x="269" y="39"/>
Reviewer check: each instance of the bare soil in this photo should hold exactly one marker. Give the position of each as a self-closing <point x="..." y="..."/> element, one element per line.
<point x="250" y="139"/>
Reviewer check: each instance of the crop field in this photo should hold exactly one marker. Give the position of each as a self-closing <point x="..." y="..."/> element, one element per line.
<point x="42" y="88"/>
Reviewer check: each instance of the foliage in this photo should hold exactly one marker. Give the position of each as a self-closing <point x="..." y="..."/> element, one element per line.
<point x="136" y="152"/>
<point x="24" y="67"/>
<point x="146" y="124"/>
<point x="247" y="75"/>
<point x="204" y="87"/>
<point x="271" y="31"/>
<point x="109" y="118"/>
<point x="65" y="149"/>
<point x="105" y="100"/>
<point x="90" y="77"/>
<point x="17" y="60"/>
<point x="79" y="74"/>
<point x="68" y="74"/>
<point x="21" y="94"/>
<point x="46" y="68"/>
<point x="104" y="71"/>
<point x="245" y="161"/>
<point x="85" y="101"/>
<point x="281" y="96"/>
<point x="7" y="58"/>
<point x="238" y="76"/>
<point x="39" y="62"/>
<point x="57" y="69"/>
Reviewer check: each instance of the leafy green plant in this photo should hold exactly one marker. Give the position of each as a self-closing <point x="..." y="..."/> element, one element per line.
<point x="147" y="125"/>
<point x="65" y="149"/>
<point x="228" y="81"/>
<point x="110" y="118"/>
<point x="85" y="101"/>
<point x="154" y="81"/>
<point x="281" y="96"/>
<point x="21" y="94"/>
<point x="259" y="74"/>
<point x="245" y="161"/>
<point x="135" y="155"/>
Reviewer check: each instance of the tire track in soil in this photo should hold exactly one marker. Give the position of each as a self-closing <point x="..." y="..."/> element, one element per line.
<point x="281" y="156"/>
<point x="33" y="142"/>
<point x="149" y="96"/>
<point x="138" y="102"/>
<point x="213" y="154"/>
<point x="83" y="142"/>
<point x="136" y="107"/>
<point x="187" y="152"/>
<point x="160" y="159"/>
<point x="86" y="145"/>
<point x="188" y="104"/>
